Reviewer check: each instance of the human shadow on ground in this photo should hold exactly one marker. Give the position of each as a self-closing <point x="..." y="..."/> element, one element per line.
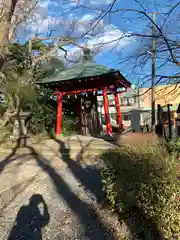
<point x="88" y="176"/>
<point x="30" y="221"/>
<point x="87" y="215"/>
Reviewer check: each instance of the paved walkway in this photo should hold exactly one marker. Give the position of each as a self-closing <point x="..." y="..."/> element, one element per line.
<point x="51" y="190"/>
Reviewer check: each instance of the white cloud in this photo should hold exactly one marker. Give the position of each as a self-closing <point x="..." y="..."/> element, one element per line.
<point x="40" y="22"/>
<point x="38" y="19"/>
<point x="73" y="53"/>
<point x="101" y="38"/>
<point x="77" y="26"/>
<point x="88" y="23"/>
<point x="88" y="17"/>
<point x="111" y="38"/>
<point x="44" y="4"/>
<point x="100" y="2"/>
<point x="91" y="2"/>
<point x="40" y="25"/>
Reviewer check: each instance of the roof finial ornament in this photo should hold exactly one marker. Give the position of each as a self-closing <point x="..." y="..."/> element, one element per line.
<point x="87" y="54"/>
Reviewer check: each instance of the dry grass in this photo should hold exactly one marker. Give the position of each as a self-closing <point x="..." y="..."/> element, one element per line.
<point x="138" y="138"/>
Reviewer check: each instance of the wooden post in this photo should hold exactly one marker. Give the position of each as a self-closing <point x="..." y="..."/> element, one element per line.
<point x="80" y="114"/>
<point x="59" y="114"/>
<point x="160" y="125"/>
<point x="169" y="120"/>
<point x="106" y="112"/>
<point x="118" y="110"/>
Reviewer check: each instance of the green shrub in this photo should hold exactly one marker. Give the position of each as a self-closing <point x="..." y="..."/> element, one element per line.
<point x="42" y="119"/>
<point x="2" y="109"/>
<point x="70" y="125"/>
<point x="43" y="112"/>
<point x="5" y="132"/>
<point x="145" y="179"/>
<point x="174" y="146"/>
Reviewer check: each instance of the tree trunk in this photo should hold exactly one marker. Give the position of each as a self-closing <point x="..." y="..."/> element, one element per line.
<point x="6" y="12"/>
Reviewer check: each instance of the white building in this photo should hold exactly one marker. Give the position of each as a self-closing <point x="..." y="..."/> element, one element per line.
<point x="134" y="115"/>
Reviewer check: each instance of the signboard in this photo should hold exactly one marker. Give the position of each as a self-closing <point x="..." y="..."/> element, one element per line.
<point x="35" y="53"/>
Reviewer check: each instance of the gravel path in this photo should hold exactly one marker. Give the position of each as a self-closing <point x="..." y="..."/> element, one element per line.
<point x="44" y="197"/>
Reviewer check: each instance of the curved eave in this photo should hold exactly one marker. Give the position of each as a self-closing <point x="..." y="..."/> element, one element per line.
<point x="114" y="74"/>
<point x="124" y="79"/>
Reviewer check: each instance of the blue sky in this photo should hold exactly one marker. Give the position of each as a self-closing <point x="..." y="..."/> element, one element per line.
<point x="109" y="40"/>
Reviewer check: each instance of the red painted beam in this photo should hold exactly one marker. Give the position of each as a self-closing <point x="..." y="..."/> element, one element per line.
<point x="81" y="91"/>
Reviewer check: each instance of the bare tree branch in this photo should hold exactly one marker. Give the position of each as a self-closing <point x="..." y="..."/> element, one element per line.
<point x="146" y="14"/>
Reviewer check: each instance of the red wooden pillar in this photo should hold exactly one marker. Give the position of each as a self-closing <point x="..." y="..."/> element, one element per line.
<point x="106" y="112"/>
<point x="59" y="114"/>
<point x="118" y="110"/>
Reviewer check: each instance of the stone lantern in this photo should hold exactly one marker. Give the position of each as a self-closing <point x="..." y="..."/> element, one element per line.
<point x="19" y="128"/>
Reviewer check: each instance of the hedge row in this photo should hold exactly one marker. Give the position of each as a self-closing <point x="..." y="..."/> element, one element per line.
<point x="143" y="187"/>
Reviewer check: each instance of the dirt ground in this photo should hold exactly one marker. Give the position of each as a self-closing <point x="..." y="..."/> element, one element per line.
<point x="45" y="193"/>
<point x="137" y="138"/>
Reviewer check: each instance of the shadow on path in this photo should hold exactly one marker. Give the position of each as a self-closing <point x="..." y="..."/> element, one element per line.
<point x="89" y="219"/>
<point x="30" y="221"/>
<point x="9" y="158"/>
<point x="12" y="156"/>
<point x="89" y="176"/>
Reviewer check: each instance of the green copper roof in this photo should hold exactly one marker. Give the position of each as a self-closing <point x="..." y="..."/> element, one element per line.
<point x="88" y="69"/>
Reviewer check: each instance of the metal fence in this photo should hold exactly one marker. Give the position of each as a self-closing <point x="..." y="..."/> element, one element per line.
<point x="167" y="124"/>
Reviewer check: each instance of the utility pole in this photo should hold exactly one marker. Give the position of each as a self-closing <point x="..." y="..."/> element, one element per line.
<point x="138" y="98"/>
<point x="153" y="90"/>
